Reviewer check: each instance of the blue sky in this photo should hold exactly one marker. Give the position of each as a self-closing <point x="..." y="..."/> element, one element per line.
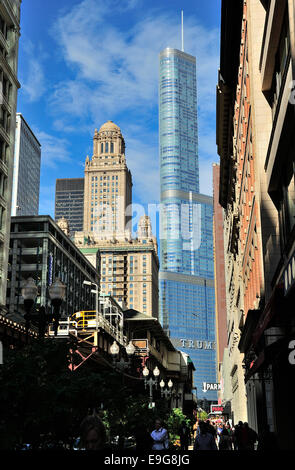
<point x="83" y="62"/>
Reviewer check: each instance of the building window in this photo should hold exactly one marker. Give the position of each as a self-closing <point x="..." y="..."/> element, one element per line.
<point x="281" y="62"/>
<point x="112" y="147"/>
<point x="101" y="148"/>
<point x="106" y="147"/>
<point x="287" y="204"/>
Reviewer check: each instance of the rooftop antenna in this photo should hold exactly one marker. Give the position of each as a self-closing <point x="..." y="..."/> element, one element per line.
<point x="182" y="44"/>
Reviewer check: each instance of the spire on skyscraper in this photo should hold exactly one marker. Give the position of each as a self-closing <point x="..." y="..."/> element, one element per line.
<point x="182" y="41"/>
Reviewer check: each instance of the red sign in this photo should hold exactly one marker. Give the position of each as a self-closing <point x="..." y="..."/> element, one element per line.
<point x="217" y="409"/>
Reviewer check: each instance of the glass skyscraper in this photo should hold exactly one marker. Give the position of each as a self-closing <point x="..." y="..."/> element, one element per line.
<point x="187" y="304"/>
<point x="69" y="202"/>
<point x="26" y="170"/>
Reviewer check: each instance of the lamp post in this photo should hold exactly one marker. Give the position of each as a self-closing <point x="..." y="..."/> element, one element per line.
<point x="151" y="382"/>
<point x="56" y="293"/>
<point x="176" y="396"/>
<point x="115" y="349"/>
<point x="96" y="292"/>
<point x="167" y="393"/>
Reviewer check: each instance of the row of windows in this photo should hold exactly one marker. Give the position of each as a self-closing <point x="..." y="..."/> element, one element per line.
<point x="107" y="147"/>
<point x="95" y="178"/>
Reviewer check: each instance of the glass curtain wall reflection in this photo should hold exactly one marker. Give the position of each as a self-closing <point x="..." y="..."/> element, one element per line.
<point x="187" y="304"/>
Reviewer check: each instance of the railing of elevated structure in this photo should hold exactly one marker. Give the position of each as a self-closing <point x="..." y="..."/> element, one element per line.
<point x="86" y="321"/>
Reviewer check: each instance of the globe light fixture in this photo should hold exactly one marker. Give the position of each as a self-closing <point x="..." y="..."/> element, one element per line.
<point x="170" y="384"/>
<point x="30" y="290"/>
<point x="29" y="293"/>
<point x="114" y="349"/>
<point x="162" y="384"/>
<point x="156" y="371"/>
<point x="130" y="349"/>
<point x="145" y="372"/>
<point x="57" y="291"/>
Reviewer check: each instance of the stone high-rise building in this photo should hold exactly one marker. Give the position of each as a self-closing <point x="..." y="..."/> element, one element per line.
<point x="129" y="267"/>
<point x="220" y="290"/>
<point x="108" y="184"/>
<point x="10" y="32"/>
<point x="256" y="143"/>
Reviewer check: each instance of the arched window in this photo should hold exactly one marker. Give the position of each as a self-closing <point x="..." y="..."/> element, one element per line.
<point x="106" y="147"/>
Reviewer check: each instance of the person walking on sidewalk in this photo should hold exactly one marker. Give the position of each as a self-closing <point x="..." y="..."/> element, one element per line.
<point x="205" y="440"/>
<point x="184" y="435"/>
<point x="224" y="440"/>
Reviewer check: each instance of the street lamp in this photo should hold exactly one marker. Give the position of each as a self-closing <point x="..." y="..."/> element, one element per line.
<point x="29" y="293"/>
<point x="115" y="349"/>
<point x="57" y="292"/>
<point x="130" y="349"/>
<point x="96" y="292"/>
<point x="167" y="392"/>
<point x="151" y="382"/>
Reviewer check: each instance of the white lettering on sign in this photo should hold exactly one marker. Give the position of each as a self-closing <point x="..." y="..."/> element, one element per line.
<point x="197" y="344"/>
<point x="292" y="354"/>
<point x="211" y="387"/>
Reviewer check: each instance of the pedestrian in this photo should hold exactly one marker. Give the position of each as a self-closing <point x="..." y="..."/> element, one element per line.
<point x="230" y="433"/>
<point x="93" y="433"/>
<point x="205" y="440"/>
<point x="249" y="437"/>
<point x="224" y="440"/>
<point x="195" y="428"/>
<point x="237" y="437"/>
<point x="211" y="429"/>
<point x="160" y="437"/>
<point x="184" y="435"/>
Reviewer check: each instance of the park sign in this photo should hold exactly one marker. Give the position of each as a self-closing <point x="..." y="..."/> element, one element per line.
<point x="216" y="409"/>
<point x="211" y="387"/>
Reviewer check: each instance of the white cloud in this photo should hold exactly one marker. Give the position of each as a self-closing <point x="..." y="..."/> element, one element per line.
<point x="53" y="149"/>
<point x="144" y="166"/>
<point x="115" y="76"/>
<point x="33" y="81"/>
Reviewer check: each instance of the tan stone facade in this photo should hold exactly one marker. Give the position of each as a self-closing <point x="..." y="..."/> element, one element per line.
<point x="129" y="267"/>
<point x="240" y="197"/>
<point x="108" y="184"/>
<point x="9" y="39"/>
<point x="256" y="143"/>
<point x="269" y="377"/>
<point x="220" y="291"/>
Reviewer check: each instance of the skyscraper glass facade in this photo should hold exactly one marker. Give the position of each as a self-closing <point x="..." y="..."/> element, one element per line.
<point x="187" y="304"/>
<point x="26" y="170"/>
<point x="69" y="202"/>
